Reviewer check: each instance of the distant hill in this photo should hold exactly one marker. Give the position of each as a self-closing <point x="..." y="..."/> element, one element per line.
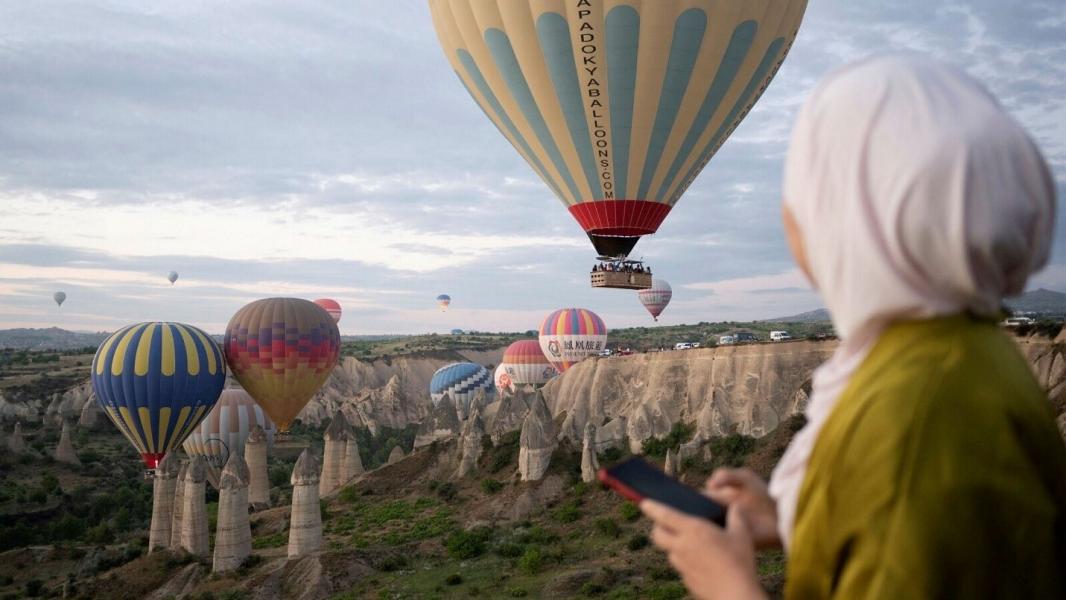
<point x="1040" y="302"/>
<point x="52" y="338"/>
<point x="820" y="315"/>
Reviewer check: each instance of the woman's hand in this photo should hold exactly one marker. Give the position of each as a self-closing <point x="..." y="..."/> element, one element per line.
<point x="713" y="562"/>
<point x="745" y="491"/>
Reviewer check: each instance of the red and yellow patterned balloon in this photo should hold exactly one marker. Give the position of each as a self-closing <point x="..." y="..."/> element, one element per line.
<point x="282" y="350"/>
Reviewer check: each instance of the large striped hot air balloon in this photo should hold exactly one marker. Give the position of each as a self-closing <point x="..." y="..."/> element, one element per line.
<point x="461" y="381"/>
<point x="226" y="428"/>
<point x="332" y="307"/>
<point x="616" y="104"/>
<point x="525" y="364"/>
<point x="570" y="335"/>
<point x="443" y="301"/>
<point x="156" y="382"/>
<point x="282" y="350"/>
<point x="656" y="298"/>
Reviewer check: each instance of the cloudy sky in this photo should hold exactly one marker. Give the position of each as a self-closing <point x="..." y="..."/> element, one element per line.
<point x="326" y="149"/>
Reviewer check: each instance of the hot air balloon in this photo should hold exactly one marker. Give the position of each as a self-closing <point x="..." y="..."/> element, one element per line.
<point x="656" y="297"/>
<point x="59" y="297"/>
<point x="282" y="350"/>
<point x="569" y="335"/>
<point x="332" y="307"/>
<point x="226" y="428"/>
<point x="172" y="277"/>
<point x="502" y="379"/>
<point x="461" y="381"/>
<point x="443" y="301"/>
<point x="156" y="382"/>
<point x="525" y="364"/>
<point x="617" y="105"/>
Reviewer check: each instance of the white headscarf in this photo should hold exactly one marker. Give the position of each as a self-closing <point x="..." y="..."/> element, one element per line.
<point x="916" y="195"/>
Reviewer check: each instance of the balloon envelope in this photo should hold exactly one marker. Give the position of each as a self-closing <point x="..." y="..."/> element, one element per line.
<point x="656" y="297"/>
<point x="282" y="350"/>
<point x="332" y="307"/>
<point x="156" y="382"/>
<point x="461" y="381"/>
<point x="172" y="277"/>
<point x="616" y="104"/>
<point x="524" y="363"/>
<point x="226" y="428"/>
<point x="443" y="301"/>
<point x="59" y="297"/>
<point x="569" y="335"/>
<point x="502" y="380"/>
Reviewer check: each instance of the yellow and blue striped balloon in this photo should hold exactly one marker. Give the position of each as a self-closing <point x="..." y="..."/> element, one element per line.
<point x="156" y="382"/>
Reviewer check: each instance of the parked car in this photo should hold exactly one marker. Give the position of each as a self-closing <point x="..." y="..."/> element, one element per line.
<point x="744" y="336"/>
<point x="1019" y="321"/>
<point x="726" y="340"/>
<point x="606" y="352"/>
<point x="779" y="336"/>
<point x="685" y="346"/>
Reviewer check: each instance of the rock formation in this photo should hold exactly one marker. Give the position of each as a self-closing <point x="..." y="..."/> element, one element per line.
<point x="470" y="444"/>
<point x="512" y="410"/>
<point x="590" y="465"/>
<point x="92" y="417"/>
<point x="441" y="424"/>
<point x="194" y="533"/>
<point x="613" y="434"/>
<point x="17" y="411"/>
<point x="336" y="436"/>
<point x="537" y="441"/>
<point x="1062" y="426"/>
<point x="255" y="456"/>
<point x="233" y="535"/>
<point x="64" y="452"/>
<point x="68" y="406"/>
<point x="15" y="442"/>
<point x="305" y="521"/>
<point x="396" y="455"/>
<point x="752" y="388"/>
<point x="353" y="463"/>
<point x="178" y="506"/>
<point x="670" y="466"/>
<point x="159" y="533"/>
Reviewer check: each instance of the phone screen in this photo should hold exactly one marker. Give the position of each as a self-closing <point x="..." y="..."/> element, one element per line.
<point x="636" y="479"/>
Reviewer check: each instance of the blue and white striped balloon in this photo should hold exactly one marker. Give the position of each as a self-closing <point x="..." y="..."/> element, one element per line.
<point x="461" y="381"/>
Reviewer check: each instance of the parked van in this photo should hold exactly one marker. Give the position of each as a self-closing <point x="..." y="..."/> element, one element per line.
<point x="685" y="346"/>
<point x="726" y="340"/>
<point x="1019" y="321"/>
<point x="744" y="336"/>
<point x="779" y="336"/>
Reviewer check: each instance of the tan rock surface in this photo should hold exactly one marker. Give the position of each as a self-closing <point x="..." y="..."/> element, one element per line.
<point x="255" y="455"/>
<point x="163" y="484"/>
<point x="442" y="423"/>
<point x="537" y="441"/>
<point x="305" y="524"/>
<point x="178" y="506"/>
<point x="590" y="464"/>
<point x="233" y="534"/>
<point x="194" y="533"/>
<point x="336" y="439"/>
<point x="470" y="444"/>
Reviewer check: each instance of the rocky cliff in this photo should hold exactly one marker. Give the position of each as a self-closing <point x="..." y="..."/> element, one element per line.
<point x="384" y="393"/>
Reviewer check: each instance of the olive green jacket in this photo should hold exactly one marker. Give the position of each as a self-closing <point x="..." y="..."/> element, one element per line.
<point x="939" y="474"/>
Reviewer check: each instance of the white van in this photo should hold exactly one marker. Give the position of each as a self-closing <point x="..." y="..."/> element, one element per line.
<point x="1019" y="321"/>
<point x="683" y="346"/>
<point x="726" y="340"/>
<point x="779" y="336"/>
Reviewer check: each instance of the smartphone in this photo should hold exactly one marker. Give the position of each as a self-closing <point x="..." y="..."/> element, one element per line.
<point x="636" y="479"/>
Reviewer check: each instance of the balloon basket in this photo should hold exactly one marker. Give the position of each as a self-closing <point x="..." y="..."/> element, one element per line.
<point x="149" y="473"/>
<point x="621" y="280"/>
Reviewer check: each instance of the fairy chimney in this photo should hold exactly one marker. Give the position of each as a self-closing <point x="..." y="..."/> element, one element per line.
<point x="163" y="484"/>
<point x="16" y="444"/>
<point x="589" y="463"/>
<point x="537" y="441"/>
<point x="194" y="534"/>
<point x="233" y="534"/>
<point x="353" y="463"/>
<point x="65" y="449"/>
<point x="670" y="466"/>
<point x="255" y="455"/>
<point x="470" y="443"/>
<point x="396" y="455"/>
<point x="178" y="504"/>
<point x="441" y="424"/>
<point x="305" y="522"/>
<point x="510" y="414"/>
<point x="333" y="456"/>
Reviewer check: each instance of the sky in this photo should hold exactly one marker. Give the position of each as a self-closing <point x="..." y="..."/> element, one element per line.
<point x="326" y="149"/>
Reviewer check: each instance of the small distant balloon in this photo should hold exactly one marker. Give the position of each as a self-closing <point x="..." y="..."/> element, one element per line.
<point x="59" y="297"/>
<point x="172" y="277"/>
<point x="656" y="297"/>
<point x="443" y="301"/>
<point x="332" y="307"/>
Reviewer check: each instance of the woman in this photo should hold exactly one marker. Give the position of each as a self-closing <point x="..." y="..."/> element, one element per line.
<point x="930" y="466"/>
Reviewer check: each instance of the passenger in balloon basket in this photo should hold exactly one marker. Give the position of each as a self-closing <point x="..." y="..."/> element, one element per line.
<point x="930" y="465"/>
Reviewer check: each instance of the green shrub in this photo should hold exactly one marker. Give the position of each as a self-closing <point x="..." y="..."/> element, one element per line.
<point x="509" y="550"/>
<point x="593" y="588"/>
<point x="732" y="450"/>
<point x="568" y="513"/>
<point x="349" y="495"/>
<point x="517" y="592"/>
<point x="610" y="455"/>
<point x="490" y="486"/>
<point x="531" y="560"/>
<point x="639" y="541"/>
<point x="453" y="579"/>
<point x="629" y="511"/>
<point x="273" y="540"/>
<point x="667" y="591"/>
<point x="657" y="447"/>
<point x="447" y="491"/>
<point x="468" y="544"/>
<point x="608" y="527"/>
